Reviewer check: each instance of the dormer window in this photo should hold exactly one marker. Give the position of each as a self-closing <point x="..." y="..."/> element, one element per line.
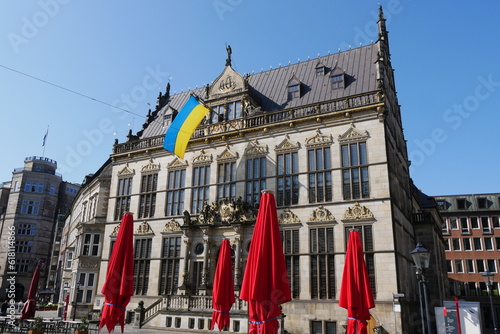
<point x="293" y="88"/>
<point x="338" y="78"/>
<point x="320" y="69"/>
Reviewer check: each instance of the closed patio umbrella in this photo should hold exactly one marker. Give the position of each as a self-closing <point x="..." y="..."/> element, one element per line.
<point x="265" y="282"/>
<point x="356" y="294"/>
<point x="223" y="289"/>
<point x="29" y="307"/>
<point x="118" y="287"/>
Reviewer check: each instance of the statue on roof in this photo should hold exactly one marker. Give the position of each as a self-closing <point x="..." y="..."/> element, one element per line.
<point x="229" y="52"/>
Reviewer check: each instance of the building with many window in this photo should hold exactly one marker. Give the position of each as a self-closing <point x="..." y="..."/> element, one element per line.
<point x="32" y="202"/>
<point x="326" y="136"/>
<point x="471" y="232"/>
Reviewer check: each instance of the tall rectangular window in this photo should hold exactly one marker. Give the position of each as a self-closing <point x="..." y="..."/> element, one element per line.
<point x="459" y="266"/>
<point x="169" y="274"/>
<point x="90" y="246"/>
<point x="142" y="258"/>
<point x="226" y="181"/>
<point x="467" y="244"/>
<point x="147" y="198"/>
<point x="354" y="171"/>
<point x="288" y="179"/>
<point x="366" y="235"/>
<point x="485" y="223"/>
<point x="123" y="196"/>
<point x="175" y="192"/>
<point x="292" y="258"/>
<point x="319" y="174"/>
<point x="255" y="176"/>
<point x="201" y="188"/>
<point x="30" y="207"/>
<point x="322" y="263"/>
<point x="464" y="224"/>
<point x="85" y="291"/>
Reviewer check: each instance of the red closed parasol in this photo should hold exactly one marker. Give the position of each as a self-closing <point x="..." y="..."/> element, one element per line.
<point x="119" y="285"/>
<point x="356" y="294"/>
<point x="29" y="307"/>
<point x="223" y="290"/>
<point x="265" y="282"/>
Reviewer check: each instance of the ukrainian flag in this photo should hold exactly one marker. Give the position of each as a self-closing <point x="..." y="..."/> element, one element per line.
<point x="183" y="126"/>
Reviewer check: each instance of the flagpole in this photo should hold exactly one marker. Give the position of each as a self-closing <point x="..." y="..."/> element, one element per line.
<point x="43" y="143"/>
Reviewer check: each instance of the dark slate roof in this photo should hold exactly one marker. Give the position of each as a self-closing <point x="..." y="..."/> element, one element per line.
<point x="269" y="88"/>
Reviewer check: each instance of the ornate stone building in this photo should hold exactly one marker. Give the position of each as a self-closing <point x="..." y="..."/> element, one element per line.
<point x="325" y="135"/>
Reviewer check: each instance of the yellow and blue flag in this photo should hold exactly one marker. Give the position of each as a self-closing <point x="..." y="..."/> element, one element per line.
<point x="183" y="126"/>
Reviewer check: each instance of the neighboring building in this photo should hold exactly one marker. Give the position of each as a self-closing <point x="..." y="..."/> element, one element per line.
<point x="326" y="136"/>
<point x="36" y="197"/>
<point x="81" y="242"/>
<point x="471" y="232"/>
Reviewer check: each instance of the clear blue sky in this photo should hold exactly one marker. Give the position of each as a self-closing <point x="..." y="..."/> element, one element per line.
<point x="446" y="57"/>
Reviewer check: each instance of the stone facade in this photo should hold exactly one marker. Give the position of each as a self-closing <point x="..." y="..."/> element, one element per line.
<point x="325" y="136"/>
<point x="36" y="197"/>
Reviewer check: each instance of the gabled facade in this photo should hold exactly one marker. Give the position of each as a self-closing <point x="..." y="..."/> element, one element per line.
<point x="325" y="135"/>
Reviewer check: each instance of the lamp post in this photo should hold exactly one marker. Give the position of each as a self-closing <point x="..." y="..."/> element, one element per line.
<point x="75" y="302"/>
<point x="488" y="279"/>
<point x="421" y="257"/>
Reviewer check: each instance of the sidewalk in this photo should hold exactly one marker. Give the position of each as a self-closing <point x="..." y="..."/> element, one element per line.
<point x="129" y="329"/>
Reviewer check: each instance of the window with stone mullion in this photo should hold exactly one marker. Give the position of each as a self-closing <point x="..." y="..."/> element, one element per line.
<point x="322" y="263"/>
<point x="147" y="199"/>
<point x="288" y="179"/>
<point x="169" y="275"/>
<point x="226" y="179"/>
<point x="355" y="180"/>
<point x="201" y="189"/>
<point x="319" y="175"/>
<point x="123" y="197"/>
<point x="255" y="179"/>
<point x="292" y="258"/>
<point x="175" y="192"/>
<point x="142" y="259"/>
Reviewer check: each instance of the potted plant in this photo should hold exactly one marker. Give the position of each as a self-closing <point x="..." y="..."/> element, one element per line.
<point x="38" y="327"/>
<point x="83" y="327"/>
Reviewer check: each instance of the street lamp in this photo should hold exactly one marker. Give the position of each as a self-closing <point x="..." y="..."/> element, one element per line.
<point x="488" y="279"/>
<point x="75" y="302"/>
<point x="421" y="257"/>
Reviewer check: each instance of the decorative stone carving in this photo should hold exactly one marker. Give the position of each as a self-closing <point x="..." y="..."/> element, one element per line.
<point x="172" y="226"/>
<point x="228" y="155"/>
<point x="226" y="211"/>
<point x="288" y="217"/>
<point x="358" y="212"/>
<point x="228" y="82"/>
<point x="352" y="134"/>
<point x="177" y="163"/>
<point x="255" y="149"/>
<point x="144" y="228"/>
<point x="321" y="214"/>
<point x="319" y="140"/>
<point x="88" y="264"/>
<point x="115" y="231"/>
<point x="150" y="167"/>
<point x="126" y="171"/>
<point x="203" y="158"/>
<point x="287" y="145"/>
